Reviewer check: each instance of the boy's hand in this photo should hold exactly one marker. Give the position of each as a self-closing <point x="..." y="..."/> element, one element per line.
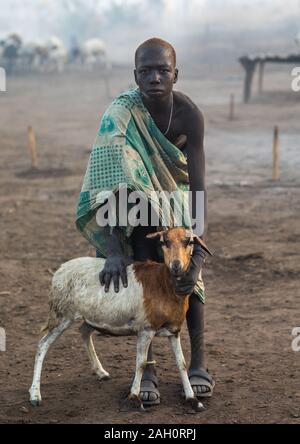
<point x="186" y="283"/>
<point x="114" y="268"/>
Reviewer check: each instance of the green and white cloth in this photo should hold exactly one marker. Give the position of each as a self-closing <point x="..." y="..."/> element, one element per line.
<point x="130" y="151"/>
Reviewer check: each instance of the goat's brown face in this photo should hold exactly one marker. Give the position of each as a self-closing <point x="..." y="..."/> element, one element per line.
<point x="177" y="245"/>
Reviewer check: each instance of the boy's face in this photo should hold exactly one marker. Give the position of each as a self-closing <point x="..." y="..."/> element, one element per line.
<point x="155" y="72"/>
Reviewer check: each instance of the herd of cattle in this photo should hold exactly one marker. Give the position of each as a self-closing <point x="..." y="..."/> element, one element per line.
<point x="50" y="56"/>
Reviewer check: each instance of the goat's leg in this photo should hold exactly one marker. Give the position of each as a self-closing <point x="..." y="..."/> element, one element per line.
<point x="43" y="346"/>
<point x="87" y="331"/>
<point x="180" y="361"/>
<point x="143" y="342"/>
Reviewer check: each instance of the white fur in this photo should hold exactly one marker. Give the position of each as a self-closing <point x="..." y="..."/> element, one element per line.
<point x="77" y="291"/>
<point x="77" y="294"/>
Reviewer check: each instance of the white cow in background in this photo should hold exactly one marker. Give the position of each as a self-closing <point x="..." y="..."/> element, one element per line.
<point x="9" y="51"/>
<point x="49" y="56"/>
<point x="33" y="56"/>
<point x="94" y="54"/>
<point x="52" y="55"/>
<point x="57" y="55"/>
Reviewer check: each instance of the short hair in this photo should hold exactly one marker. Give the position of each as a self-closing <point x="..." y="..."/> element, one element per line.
<point x="151" y="43"/>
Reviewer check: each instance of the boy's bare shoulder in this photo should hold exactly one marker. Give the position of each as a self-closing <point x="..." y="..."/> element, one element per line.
<point x="187" y="107"/>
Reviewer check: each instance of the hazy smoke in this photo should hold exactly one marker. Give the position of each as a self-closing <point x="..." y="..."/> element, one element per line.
<point x="205" y="28"/>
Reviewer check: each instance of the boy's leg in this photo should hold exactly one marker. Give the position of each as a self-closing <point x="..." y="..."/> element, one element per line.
<point x="201" y="381"/>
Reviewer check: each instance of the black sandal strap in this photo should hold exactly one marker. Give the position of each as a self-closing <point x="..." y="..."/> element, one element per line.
<point x="150" y="376"/>
<point x="201" y="374"/>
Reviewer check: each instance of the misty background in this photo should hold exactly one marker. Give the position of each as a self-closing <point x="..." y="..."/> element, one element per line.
<point x="202" y="31"/>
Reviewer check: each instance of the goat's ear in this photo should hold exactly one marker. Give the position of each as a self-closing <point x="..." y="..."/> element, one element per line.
<point x="156" y="235"/>
<point x="201" y="242"/>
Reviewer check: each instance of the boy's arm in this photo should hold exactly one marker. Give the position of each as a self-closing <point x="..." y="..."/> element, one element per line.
<point x="196" y="164"/>
<point x="196" y="170"/>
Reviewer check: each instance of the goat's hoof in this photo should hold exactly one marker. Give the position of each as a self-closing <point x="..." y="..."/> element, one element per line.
<point x="132" y="406"/>
<point x="103" y="376"/>
<point x="135" y="403"/>
<point x="196" y="405"/>
<point x="35" y="396"/>
<point x="36" y="402"/>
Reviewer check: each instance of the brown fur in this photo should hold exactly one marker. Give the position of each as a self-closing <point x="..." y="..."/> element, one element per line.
<point x="175" y="237"/>
<point x="162" y="306"/>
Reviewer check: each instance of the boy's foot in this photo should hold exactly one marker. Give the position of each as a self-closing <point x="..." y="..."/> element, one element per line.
<point x="202" y="383"/>
<point x="149" y="392"/>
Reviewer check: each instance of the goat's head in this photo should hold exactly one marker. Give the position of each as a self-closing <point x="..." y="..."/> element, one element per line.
<point x="177" y="245"/>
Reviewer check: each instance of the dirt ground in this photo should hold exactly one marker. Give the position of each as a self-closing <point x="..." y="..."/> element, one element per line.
<point x="252" y="282"/>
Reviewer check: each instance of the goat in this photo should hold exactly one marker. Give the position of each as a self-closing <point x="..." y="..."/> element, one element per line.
<point x="147" y="307"/>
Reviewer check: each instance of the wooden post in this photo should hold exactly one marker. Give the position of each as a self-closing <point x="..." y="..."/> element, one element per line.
<point x="248" y="81"/>
<point x="32" y="147"/>
<point x="249" y="64"/>
<point x="276" y="154"/>
<point x="231" y="107"/>
<point x="261" y="77"/>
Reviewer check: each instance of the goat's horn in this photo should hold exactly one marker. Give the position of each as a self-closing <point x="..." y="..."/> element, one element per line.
<point x="201" y="242"/>
<point x="155" y="235"/>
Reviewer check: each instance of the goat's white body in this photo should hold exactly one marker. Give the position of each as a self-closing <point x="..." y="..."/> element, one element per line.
<point x="77" y="292"/>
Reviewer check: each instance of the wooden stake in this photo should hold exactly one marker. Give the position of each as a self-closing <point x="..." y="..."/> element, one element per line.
<point x="261" y="77"/>
<point x="276" y="154"/>
<point x="249" y="64"/>
<point x="32" y="147"/>
<point x="231" y="108"/>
